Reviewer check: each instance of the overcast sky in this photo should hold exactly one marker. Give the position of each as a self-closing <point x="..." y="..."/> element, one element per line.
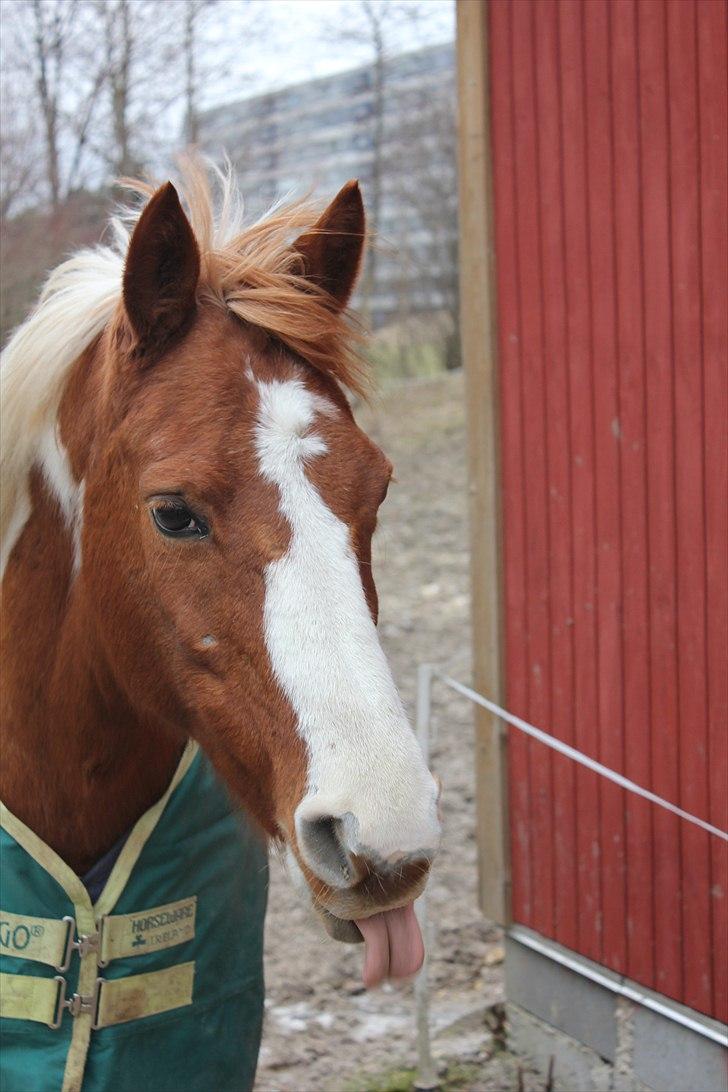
<point x="244" y="47"/>
<point x="286" y="41"/>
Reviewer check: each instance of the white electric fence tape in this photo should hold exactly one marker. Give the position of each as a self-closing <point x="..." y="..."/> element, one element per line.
<point x="576" y="756"/>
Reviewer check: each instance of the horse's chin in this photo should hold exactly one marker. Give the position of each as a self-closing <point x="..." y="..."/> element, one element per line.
<point x="356" y="903"/>
<point x="339" y="928"/>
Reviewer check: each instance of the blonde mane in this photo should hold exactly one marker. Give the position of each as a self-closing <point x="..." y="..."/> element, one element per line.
<point x="251" y="270"/>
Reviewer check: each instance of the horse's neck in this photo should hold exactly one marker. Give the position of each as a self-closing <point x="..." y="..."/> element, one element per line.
<point x="79" y="766"/>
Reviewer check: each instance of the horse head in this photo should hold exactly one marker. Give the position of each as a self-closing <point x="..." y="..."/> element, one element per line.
<point x="229" y="502"/>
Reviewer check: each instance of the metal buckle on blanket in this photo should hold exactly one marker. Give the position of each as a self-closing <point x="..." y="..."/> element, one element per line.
<point x="68" y="951"/>
<point x="76" y="1004"/>
<point x="87" y="942"/>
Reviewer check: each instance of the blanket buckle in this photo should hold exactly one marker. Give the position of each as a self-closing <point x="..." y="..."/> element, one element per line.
<point x="77" y="1004"/>
<point x="86" y="942"/>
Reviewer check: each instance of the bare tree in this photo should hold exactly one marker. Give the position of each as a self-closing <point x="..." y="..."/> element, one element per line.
<point x="50" y="33"/>
<point x="374" y="18"/>
<point x="21" y="171"/>
<point x="428" y="189"/>
<point x="372" y="23"/>
<point x="143" y="51"/>
<point x="193" y="11"/>
<point x="100" y="76"/>
<point x="119" y="48"/>
<point x="211" y="61"/>
<point x="45" y="64"/>
<point x="93" y="89"/>
<point x="157" y="61"/>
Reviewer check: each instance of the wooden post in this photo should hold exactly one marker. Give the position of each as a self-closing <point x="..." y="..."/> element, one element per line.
<point x="478" y="317"/>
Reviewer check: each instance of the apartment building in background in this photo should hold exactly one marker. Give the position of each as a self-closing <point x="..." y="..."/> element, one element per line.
<point x="314" y="136"/>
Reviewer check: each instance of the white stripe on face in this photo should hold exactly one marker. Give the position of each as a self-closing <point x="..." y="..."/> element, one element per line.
<point x="365" y="765"/>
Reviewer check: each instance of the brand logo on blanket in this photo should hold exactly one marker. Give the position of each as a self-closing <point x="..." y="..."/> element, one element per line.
<point x="148" y="930"/>
<point x="18" y="937"/>
<point x="168" y="916"/>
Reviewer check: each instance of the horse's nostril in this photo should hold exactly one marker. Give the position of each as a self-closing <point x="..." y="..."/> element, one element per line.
<point x="322" y="846"/>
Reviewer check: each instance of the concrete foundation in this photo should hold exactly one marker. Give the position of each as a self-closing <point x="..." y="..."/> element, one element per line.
<point x="595" y="1031"/>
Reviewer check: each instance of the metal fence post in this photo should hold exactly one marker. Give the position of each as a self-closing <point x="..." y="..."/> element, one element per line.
<point x="426" y="1079"/>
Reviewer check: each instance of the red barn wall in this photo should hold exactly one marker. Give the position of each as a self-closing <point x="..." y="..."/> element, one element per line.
<point x="610" y="153"/>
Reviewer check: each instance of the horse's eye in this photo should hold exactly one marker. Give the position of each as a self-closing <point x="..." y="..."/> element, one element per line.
<point x="176" y="520"/>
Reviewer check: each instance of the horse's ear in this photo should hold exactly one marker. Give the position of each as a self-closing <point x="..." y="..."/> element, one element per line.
<point x="161" y="272"/>
<point x="332" y="250"/>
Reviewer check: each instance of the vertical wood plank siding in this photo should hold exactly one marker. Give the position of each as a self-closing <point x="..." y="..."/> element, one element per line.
<point x="609" y="128"/>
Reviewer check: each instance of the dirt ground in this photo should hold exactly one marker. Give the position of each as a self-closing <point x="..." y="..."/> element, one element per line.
<point x="322" y="1030"/>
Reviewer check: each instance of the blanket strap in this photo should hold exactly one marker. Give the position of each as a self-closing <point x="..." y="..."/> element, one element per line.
<point x="25" y="997"/>
<point x="113" y="1001"/>
<point x="44" y="940"/>
<point x="118" y="936"/>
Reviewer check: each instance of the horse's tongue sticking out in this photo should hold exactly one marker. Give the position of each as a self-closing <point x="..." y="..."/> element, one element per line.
<point x="394" y="947"/>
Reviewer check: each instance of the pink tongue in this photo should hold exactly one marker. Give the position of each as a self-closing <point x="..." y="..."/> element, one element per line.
<point x="394" y="947"/>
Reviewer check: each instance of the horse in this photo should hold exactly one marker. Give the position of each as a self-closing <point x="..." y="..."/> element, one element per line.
<point x="190" y="613"/>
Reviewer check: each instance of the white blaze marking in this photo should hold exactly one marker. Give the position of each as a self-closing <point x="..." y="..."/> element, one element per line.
<point x="18" y="520"/>
<point x="52" y="458"/>
<point x="69" y="493"/>
<point x="364" y="761"/>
